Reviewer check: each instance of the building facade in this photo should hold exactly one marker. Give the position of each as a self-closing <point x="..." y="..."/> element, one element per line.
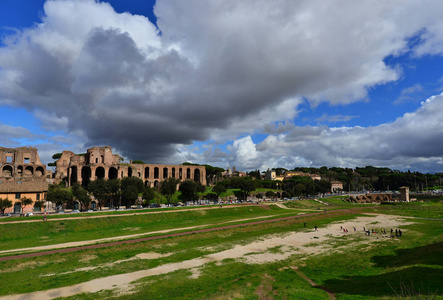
<point x="99" y="162"/>
<point x="22" y="175"/>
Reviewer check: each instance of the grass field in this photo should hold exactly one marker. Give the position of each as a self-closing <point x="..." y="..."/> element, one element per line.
<point x="212" y="265"/>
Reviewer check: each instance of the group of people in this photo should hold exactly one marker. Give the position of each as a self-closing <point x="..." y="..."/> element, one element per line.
<point x="398" y="232"/>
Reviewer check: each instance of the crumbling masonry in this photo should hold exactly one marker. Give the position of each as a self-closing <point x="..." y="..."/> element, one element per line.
<point x="99" y="162"/>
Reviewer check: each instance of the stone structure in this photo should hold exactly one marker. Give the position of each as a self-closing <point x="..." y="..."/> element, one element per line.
<point x="271" y="175"/>
<point x="382" y="197"/>
<point x="404" y="193"/>
<point x="336" y="186"/>
<point x="21" y="164"/>
<point x="99" y="162"/>
<point x="22" y="175"/>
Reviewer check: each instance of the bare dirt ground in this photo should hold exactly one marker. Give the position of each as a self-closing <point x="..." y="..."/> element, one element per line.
<point x="301" y="243"/>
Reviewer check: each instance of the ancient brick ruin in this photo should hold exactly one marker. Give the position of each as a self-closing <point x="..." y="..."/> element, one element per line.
<point x="99" y="162"/>
<point x="22" y="175"/>
<point x="382" y="197"/>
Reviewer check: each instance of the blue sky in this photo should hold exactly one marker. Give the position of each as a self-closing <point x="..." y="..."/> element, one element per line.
<point x="250" y="84"/>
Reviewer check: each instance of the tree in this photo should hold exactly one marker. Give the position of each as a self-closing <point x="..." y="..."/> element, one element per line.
<point x="168" y="188"/>
<point x="39" y="205"/>
<point x="113" y="187"/>
<point x="246" y="185"/>
<point x="58" y="195"/>
<point x="129" y="195"/>
<point x="131" y="187"/>
<point x="148" y="195"/>
<point x="188" y="189"/>
<point x="99" y="189"/>
<point x="4" y="204"/>
<point x="25" y="202"/>
<point x="270" y="194"/>
<point x="219" y="189"/>
<point x="81" y="194"/>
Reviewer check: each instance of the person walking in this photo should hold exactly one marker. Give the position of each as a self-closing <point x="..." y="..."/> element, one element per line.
<point x="315" y="227"/>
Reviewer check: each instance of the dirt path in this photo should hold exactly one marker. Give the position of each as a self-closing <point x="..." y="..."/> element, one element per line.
<point x="83" y="245"/>
<point x="117" y="238"/>
<point x="258" y="252"/>
<point x="49" y="219"/>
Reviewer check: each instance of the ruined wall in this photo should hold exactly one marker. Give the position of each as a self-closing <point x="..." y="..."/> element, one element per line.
<point x="21" y="164"/>
<point x="99" y="162"/>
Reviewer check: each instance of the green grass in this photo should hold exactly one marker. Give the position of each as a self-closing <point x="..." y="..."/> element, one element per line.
<point x="20" y="235"/>
<point x="350" y="268"/>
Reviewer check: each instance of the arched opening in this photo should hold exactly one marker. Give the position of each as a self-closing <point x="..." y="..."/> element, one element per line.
<point x="197" y="175"/>
<point x="156" y="172"/>
<point x="100" y="172"/>
<point x="20" y="170"/>
<point x="86" y="176"/>
<point x="180" y="174"/>
<point x="93" y="205"/>
<point x="147" y="183"/>
<point x="147" y="172"/>
<point x="165" y="173"/>
<point x="39" y="171"/>
<point x="188" y="173"/>
<point x="7" y="171"/>
<point x="156" y="183"/>
<point x="113" y="173"/>
<point x="76" y="205"/>
<point x="29" y="171"/>
<point x="173" y="173"/>
<point x="73" y="178"/>
<point x="17" y="208"/>
<point x="129" y="172"/>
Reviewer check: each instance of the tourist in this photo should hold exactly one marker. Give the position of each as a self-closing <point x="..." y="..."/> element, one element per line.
<point x="315" y="228"/>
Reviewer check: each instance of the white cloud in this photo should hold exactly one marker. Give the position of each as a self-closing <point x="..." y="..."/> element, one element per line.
<point x="221" y="70"/>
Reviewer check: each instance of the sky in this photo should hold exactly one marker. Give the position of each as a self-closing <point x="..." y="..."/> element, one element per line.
<point x="254" y="84"/>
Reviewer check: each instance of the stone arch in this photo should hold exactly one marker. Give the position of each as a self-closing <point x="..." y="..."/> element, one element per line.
<point x="173" y="172"/>
<point x="165" y="173"/>
<point x="188" y="173"/>
<point x="180" y="173"/>
<point x="147" y="172"/>
<point x="197" y="175"/>
<point x="147" y="183"/>
<point x="86" y="176"/>
<point x="156" y="183"/>
<point x="73" y="176"/>
<point x="113" y="173"/>
<point x="100" y="172"/>
<point x="20" y="170"/>
<point x="93" y="204"/>
<point x="39" y="171"/>
<point x="8" y="171"/>
<point x="129" y="172"/>
<point x="76" y="205"/>
<point x="156" y="172"/>
<point x="29" y="171"/>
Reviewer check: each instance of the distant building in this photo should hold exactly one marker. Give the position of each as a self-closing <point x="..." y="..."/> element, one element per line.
<point x="336" y="186"/>
<point x="99" y="162"/>
<point x="228" y="173"/>
<point x="22" y="175"/>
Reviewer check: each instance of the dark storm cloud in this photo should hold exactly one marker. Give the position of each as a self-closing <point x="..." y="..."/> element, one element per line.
<point x="219" y="70"/>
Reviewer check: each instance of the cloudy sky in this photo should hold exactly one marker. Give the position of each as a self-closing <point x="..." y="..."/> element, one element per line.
<point x="253" y="84"/>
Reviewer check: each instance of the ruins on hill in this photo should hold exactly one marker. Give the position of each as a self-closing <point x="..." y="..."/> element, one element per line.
<point x="22" y="174"/>
<point x="99" y="162"/>
<point x="382" y="197"/>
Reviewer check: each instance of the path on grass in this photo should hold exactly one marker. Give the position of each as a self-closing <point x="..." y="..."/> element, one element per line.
<point x="49" y="219"/>
<point x="120" y="237"/>
<point x="257" y="252"/>
<point x="93" y="244"/>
